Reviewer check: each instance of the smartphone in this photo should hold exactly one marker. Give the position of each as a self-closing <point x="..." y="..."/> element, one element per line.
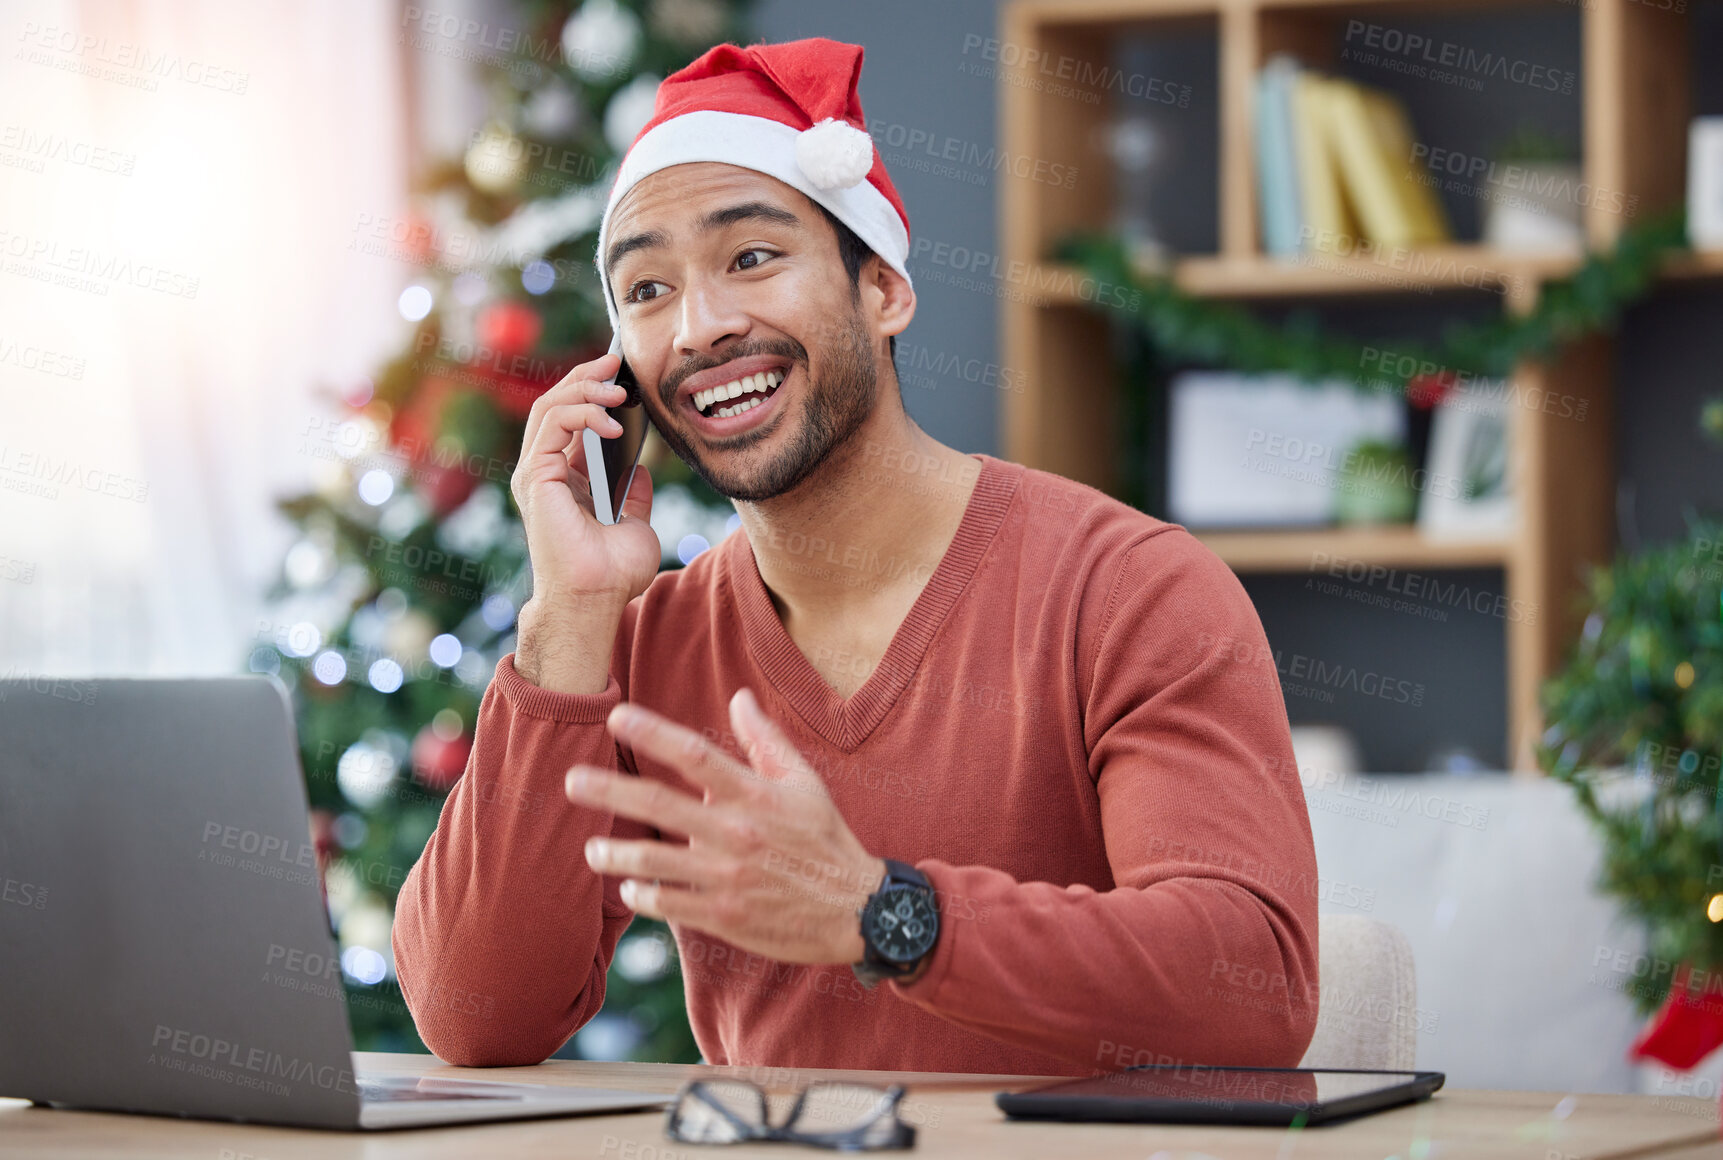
<point x="611" y="459"/>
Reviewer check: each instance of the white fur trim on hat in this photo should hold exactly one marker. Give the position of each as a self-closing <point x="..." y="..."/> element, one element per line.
<point x="770" y="147"/>
<point x="834" y="154"/>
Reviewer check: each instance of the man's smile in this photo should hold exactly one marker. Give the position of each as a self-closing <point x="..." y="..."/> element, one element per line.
<point x="709" y="391"/>
<point x="752" y="390"/>
<point x="740" y="403"/>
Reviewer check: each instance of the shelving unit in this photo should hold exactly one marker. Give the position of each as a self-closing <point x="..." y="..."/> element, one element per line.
<point x="1635" y="100"/>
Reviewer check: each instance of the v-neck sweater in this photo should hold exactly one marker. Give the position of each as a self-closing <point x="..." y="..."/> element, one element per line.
<point x="1076" y="733"/>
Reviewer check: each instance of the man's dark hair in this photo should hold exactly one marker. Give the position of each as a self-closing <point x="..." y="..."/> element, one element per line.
<point x="854" y="252"/>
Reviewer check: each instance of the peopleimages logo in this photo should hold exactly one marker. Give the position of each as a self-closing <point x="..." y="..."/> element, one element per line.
<point x="918" y="143"/>
<point x="214" y="1052"/>
<point x="1423" y="56"/>
<point x="998" y="273"/>
<point x="1329" y="675"/>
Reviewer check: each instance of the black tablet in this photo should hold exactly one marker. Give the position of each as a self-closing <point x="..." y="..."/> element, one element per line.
<point x="1191" y="1094"/>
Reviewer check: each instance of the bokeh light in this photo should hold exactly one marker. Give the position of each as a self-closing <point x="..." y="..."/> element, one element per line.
<point x="691" y="545"/>
<point x="330" y="668"/>
<point x="498" y="612"/>
<point x="385" y="675"/>
<point x="446" y="650"/>
<point x="302" y="640"/>
<point x="537" y="276"/>
<point x="376" y="486"/>
<point x="415" y="303"/>
<point x="364" y="965"/>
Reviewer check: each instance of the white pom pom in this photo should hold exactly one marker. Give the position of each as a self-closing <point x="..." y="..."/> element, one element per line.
<point x="834" y="154"/>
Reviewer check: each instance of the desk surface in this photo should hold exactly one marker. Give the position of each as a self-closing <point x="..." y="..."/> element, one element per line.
<point x="955" y="1114"/>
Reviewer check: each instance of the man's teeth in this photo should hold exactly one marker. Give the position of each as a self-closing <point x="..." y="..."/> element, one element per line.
<point x="749" y="384"/>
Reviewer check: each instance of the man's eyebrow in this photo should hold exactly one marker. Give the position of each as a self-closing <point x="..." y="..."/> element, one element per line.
<point x="651" y="239"/>
<point x="747" y="210"/>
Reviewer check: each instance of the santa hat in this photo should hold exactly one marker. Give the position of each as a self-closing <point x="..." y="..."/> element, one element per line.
<point x="787" y="110"/>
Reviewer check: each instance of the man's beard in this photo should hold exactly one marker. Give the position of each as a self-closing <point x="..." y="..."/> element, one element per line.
<point x="835" y="409"/>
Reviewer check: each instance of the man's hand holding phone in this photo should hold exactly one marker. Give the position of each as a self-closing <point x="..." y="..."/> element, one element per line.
<point x="584" y="572"/>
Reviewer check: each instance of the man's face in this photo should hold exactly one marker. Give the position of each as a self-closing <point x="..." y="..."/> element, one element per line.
<point x="722" y="275"/>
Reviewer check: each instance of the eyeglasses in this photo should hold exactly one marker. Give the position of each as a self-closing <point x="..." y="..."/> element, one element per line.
<point x="846" y="1116"/>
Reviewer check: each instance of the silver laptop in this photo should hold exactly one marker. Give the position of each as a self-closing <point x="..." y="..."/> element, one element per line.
<point x="163" y="940"/>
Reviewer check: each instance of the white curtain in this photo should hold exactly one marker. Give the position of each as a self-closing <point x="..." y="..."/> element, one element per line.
<point x="180" y="183"/>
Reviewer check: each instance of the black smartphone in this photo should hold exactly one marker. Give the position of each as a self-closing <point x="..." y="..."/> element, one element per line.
<point x="611" y="459"/>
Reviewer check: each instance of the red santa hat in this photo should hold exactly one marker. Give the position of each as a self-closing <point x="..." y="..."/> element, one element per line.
<point x="787" y="110"/>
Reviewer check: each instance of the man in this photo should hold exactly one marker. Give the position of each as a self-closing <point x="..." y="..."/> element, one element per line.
<point x="939" y="763"/>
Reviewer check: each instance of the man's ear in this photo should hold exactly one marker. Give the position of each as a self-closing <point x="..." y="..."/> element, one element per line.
<point x="887" y="297"/>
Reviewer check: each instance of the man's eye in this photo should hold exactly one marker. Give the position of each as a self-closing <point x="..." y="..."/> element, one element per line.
<point x="757" y="256"/>
<point x="642" y="292"/>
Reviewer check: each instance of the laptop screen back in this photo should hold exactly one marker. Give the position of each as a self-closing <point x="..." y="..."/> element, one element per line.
<point x="163" y="940"/>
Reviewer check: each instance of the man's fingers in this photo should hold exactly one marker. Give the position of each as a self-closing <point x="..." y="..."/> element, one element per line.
<point x="571" y="388"/>
<point x="648" y="859"/>
<point x="638" y="503"/>
<point x="768" y="747"/>
<point x="558" y="454"/>
<point x="639" y="798"/>
<point x="670" y="904"/>
<point x="680" y="748"/>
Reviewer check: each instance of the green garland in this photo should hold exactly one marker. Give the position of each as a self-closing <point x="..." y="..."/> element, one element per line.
<point x="1187" y="328"/>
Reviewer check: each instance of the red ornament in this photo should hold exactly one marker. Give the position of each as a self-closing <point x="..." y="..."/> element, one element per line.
<point x="323" y="841"/>
<point x="438" y="764"/>
<point x="441" y="478"/>
<point x="1425" y="391"/>
<point x="515" y="389"/>
<point x="1688" y="1027"/>
<point x="444" y="487"/>
<point x="323" y="835"/>
<point x="413" y="430"/>
<point x="509" y="328"/>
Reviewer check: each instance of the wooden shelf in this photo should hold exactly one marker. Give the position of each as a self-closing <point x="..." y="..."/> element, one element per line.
<point x="1698" y="264"/>
<point x="1635" y="100"/>
<point x="1422" y="271"/>
<point x="1315" y="549"/>
<point x="1436" y="268"/>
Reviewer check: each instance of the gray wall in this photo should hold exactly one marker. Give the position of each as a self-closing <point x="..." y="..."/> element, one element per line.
<point x="914" y="85"/>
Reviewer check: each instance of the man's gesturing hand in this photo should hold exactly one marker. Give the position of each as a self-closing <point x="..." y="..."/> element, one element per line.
<point x="770" y="865"/>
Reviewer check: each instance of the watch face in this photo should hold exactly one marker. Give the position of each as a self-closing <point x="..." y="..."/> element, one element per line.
<point x="902" y="924"/>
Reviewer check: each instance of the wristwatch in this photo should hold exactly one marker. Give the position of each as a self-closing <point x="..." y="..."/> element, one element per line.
<point x="899" y="925"/>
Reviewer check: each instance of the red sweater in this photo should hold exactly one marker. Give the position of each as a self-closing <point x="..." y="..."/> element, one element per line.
<point x="1077" y="734"/>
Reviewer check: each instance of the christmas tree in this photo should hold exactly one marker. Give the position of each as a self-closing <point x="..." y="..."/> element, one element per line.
<point x="1636" y="727"/>
<point x="400" y="594"/>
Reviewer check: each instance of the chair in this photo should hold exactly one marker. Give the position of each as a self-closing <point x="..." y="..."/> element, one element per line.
<point x="1368" y="1017"/>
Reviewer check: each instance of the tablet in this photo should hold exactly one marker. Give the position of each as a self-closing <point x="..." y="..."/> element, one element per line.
<point x="1192" y="1094"/>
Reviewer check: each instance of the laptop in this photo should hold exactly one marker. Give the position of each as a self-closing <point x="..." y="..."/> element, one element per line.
<point x="164" y="945"/>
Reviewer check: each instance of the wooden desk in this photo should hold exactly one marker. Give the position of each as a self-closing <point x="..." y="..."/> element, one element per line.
<point x="955" y="1114"/>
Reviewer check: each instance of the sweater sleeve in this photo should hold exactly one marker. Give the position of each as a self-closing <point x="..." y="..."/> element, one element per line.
<point x="503" y="935"/>
<point x="1205" y="949"/>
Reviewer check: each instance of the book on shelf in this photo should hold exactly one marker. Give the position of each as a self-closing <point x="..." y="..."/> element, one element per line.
<point x="1276" y="158"/>
<point x="1335" y="166"/>
<point x="1371" y="138"/>
<point x="1329" y="222"/>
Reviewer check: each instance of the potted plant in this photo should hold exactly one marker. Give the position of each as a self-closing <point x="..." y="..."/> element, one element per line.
<point x="1375" y="485"/>
<point x="1535" y="194"/>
